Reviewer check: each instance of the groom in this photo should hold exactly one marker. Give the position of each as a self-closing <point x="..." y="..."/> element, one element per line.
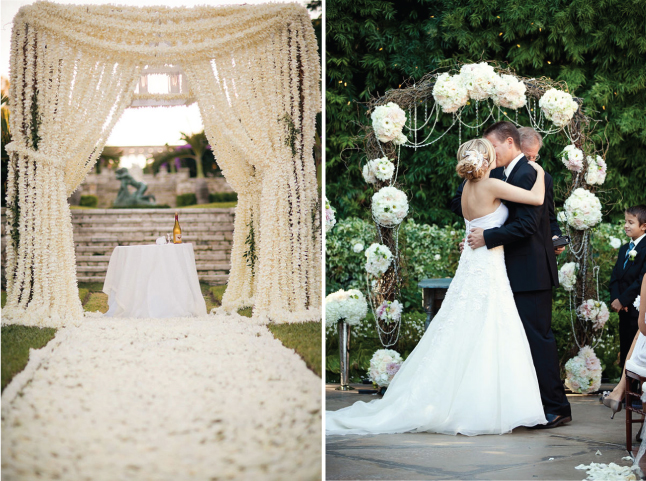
<point x="531" y="266"/>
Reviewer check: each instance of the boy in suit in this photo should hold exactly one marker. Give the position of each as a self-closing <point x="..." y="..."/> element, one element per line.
<point x="627" y="276"/>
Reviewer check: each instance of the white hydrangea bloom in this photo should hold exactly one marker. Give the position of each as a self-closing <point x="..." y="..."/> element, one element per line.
<point x="389" y="206"/>
<point x="583" y="209"/>
<point x="558" y="106"/>
<point x="388" y="121"/>
<point x="378" y="259"/>
<point x="349" y="305"/>
<point x="450" y="92"/>
<point x="509" y="92"/>
<point x="567" y="275"/>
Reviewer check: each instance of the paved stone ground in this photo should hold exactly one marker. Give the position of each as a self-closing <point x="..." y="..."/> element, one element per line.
<point x="523" y="454"/>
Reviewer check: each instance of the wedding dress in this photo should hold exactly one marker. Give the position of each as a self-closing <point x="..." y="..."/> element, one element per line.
<point x="472" y="371"/>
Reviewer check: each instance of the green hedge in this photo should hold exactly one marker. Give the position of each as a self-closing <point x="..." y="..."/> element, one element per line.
<point x="223" y="197"/>
<point x="186" y="199"/>
<point x="376" y="45"/>
<point x="89" y="201"/>
<point x="160" y="206"/>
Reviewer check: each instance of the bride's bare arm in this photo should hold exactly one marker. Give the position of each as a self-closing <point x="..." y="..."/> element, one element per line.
<point x="641" y="320"/>
<point x="505" y="191"/>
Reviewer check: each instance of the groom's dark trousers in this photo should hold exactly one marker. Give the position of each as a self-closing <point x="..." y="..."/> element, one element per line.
<point x="532" y="272"/>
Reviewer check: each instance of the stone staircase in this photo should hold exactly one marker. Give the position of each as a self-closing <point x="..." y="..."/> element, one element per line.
<point x="98" y="231"/>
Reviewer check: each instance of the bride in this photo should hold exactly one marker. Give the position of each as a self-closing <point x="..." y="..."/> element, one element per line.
<point x="472" y="371"/>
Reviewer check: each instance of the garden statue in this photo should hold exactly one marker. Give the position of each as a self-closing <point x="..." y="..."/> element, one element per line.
<point x="136" y="199"/>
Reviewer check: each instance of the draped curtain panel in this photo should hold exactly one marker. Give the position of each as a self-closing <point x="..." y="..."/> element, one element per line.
<point x="254" y="71"/>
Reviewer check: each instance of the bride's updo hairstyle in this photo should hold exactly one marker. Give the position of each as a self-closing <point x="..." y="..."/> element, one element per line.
<point x="474" y="157"/>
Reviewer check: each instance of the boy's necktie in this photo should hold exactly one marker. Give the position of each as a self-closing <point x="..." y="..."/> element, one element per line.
<point x="631" y="246"/>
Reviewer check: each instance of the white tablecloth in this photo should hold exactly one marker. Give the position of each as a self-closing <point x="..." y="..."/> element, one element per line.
<point x="153" y="281"/>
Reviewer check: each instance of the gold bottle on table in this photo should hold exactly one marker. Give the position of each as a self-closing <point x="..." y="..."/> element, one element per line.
<point x="177" y="231"/>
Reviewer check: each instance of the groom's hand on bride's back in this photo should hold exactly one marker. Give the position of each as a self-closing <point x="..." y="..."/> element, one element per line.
<point x="476" y="239"/>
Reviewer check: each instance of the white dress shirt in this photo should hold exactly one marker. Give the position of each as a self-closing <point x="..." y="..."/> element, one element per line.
<point x="512" y="164"/>
<point x="637" y="240"/>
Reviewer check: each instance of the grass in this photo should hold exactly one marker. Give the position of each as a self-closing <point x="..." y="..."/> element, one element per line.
<point x="16" y="342"/>
<point x="212" y="205"/>
<point x="304" y="338"/>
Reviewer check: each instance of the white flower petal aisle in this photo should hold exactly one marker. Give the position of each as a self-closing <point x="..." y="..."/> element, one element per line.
<point x="191" y="398"/>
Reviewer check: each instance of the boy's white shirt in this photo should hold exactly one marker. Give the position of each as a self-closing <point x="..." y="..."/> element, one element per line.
<point x="636" y="241"/>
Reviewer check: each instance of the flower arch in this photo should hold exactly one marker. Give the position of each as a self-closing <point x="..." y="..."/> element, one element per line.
<point x="409" y="117"/>
<point x="254" y="72"/>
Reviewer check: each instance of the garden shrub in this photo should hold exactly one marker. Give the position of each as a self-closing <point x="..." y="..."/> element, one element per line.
<point x="186" y="199"/>
<point x="89" y="201"/>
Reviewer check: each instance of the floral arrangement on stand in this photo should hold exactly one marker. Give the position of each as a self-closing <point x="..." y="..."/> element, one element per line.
<point x="345" y="309"/>
<point x="384" y="364"/>
<point x="492" y="90"/>
<point x="266" y="154"/>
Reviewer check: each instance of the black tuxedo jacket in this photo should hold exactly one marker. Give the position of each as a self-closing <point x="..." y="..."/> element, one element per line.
<point x="625" y="284"/>
<point x="526" y="235"/>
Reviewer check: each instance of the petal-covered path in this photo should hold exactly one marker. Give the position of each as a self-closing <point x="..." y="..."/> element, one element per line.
<point x="205" y="399"/>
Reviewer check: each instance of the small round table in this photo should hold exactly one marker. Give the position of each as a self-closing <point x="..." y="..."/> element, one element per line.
<point x="153" y="281"/>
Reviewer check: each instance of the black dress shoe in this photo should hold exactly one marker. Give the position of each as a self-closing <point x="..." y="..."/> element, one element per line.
<point x="553" y="421"/>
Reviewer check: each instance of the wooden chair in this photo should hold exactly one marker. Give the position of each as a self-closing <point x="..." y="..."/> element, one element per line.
<point x="635" y="378"/>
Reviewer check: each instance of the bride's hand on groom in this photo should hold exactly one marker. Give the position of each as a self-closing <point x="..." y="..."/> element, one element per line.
<point x="475" y="239"/>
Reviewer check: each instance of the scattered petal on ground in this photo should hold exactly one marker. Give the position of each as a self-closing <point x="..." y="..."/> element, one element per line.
<point x="170" y="399"/>
<point x="608" y="472"/>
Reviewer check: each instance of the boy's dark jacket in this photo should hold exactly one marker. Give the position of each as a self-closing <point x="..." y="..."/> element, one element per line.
<point x="625" y="284"/>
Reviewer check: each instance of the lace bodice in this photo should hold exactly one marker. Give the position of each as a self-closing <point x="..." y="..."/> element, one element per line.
<point x="495" y="219"/>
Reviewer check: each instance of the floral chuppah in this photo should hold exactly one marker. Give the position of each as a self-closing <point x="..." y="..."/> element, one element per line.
<point x="254" y="71"/>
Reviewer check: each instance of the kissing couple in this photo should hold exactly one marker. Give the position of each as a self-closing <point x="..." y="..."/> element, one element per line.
<point x="488" y="362"/>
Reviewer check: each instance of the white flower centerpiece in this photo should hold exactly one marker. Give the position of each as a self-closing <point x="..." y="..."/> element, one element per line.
<point x="388" y="121"/>
<point x="389" y="206"/>
<point x="583" y="209"/>
<point x="595" y="312"/>
<point x="349" y="306"/>
<point x="385" y="363"/>
<point x="583" y="372"/>
<point x="378" y="259"/>
<point x="572" y="158"/>
<point x="567" y="275"/>
<point x="558" y="106"/>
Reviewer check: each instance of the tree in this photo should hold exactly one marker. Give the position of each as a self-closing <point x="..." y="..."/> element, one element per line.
<point x="376" y="45"/>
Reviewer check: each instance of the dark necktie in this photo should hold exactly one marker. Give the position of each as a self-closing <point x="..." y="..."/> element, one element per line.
<point x="504" y="176"/>
<point x="631" y="246"/>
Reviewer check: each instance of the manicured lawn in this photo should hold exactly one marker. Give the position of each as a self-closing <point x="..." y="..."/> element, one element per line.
<point x="304" y="338"/>
<point x="16" y="342"/>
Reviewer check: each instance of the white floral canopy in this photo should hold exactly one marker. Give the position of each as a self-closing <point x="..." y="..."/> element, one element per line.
<point x="254" y="72"/>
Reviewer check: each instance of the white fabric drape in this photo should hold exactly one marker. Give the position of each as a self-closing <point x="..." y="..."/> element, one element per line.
<point x="254" y="71"/>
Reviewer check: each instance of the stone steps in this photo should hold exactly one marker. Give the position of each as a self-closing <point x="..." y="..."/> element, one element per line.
<point x="98" y="231"/>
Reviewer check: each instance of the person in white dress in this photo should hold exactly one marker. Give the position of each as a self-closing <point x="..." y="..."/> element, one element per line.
<point x="472" y="371"/>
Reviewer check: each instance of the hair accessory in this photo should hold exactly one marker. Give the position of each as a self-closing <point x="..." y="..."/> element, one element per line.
<point x="475" y="158"/>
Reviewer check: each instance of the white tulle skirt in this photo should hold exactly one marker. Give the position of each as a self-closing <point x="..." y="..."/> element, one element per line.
<point x="472" y="371"/>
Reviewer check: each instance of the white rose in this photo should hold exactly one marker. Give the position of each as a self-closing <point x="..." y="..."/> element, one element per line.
<point x="615" y="243"/>
<point x="358" y="247"/>
<point x="437" y="257"/>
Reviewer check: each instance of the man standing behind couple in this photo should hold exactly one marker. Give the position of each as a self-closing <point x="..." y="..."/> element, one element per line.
<point x="530" y="261"/>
